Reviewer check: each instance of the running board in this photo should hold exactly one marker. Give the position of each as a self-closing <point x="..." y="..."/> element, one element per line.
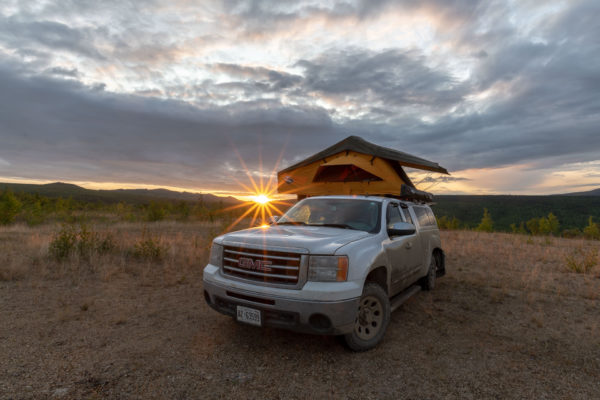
<point x="401" y="297"/>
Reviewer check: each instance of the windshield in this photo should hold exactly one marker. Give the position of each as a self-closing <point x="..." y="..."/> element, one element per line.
<point x="363" y="215"/>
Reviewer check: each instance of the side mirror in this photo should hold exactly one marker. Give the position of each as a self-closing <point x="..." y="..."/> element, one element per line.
<point x="273" y="219"/>
<point x="401" y="229"/>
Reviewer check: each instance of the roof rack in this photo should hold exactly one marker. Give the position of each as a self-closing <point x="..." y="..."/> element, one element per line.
<point x="411" y="194"/>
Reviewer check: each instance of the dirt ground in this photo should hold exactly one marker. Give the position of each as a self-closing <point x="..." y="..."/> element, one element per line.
<point x="509" y="320"/>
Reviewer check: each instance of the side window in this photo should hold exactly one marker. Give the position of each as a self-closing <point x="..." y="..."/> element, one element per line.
<point x="432" y="220"/>
<point x="407" y="216"/>
<point x="422" y="216"/>
<point x="393" y="214"/>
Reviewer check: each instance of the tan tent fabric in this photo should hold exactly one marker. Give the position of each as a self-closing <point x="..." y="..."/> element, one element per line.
<point x="352" y="166"/>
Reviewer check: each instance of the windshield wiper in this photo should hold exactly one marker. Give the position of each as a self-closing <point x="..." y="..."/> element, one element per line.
<point x="344" y="226"/>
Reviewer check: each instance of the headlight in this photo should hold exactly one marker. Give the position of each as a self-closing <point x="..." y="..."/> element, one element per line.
<point x="216" y="255"/>
<point x="328" y="268"/>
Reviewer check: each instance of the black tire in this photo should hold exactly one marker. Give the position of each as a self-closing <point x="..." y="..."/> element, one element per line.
<point x="428" y="281"/>
<point x="372" y="319"/>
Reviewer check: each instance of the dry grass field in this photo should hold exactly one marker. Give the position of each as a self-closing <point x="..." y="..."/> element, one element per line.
<point x="126" y="319"/>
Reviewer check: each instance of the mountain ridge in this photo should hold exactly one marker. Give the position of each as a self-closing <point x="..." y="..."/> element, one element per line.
<point x="62" y="189"/>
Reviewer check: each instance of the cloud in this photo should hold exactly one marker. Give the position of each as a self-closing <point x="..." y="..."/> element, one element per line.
<point x="57" y="129"/>
<point x="49" y="35"/>
<point x="71" y="73"/>
<point x="442" y="179"/>
<point x="391" y="79"/>
<point x="166" y="92"/>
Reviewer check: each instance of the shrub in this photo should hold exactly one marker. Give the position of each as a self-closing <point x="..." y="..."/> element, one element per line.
<point x="554" y="224"/>
<point x="548" y="225"/>
<point x="149" y="249"/>
<point x="85" y="241"/>
<point x="544" y="226"/>
<point x="106" y="244"/>
<point x="34" y="215"/>
<point x="533" y="226"/>
<point x="582" y="262"/>
<point x="571" y="233"/>
<point x="518" y="229"/>
<point x="63" y="243"/>
<point x="591" y="231"/>
<point x="156" y="212"/>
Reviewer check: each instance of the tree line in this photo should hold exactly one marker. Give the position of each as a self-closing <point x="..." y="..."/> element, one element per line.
<point x="544" y="225"/>
<point x="34" y="209"/>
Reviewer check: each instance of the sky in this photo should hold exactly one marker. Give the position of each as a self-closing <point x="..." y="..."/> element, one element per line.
<point x="196" y="95"/>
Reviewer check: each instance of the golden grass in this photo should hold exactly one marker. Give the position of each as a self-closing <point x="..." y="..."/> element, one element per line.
<point x="503" y="263"/>
<point x="25" y="255"/>
<point x="516" y="262"/>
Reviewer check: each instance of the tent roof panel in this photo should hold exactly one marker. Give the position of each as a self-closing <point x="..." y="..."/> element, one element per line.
<point x="359" y="145"/>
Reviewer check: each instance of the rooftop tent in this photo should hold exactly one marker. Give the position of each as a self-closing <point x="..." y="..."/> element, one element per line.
<point x="353" y="166"/>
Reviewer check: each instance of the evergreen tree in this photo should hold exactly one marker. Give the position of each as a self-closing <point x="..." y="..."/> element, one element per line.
<point x="454" y="223"/>
<point x="486" y="224"/>
<point x="9" y="207"/>
<point x="554" y="224"/>
<point x="544" y="226"/>
<point x="591" y="231"/>
<point x="533" y="225"/>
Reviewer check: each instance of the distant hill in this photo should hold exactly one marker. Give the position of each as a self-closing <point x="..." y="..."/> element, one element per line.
<point x="66" y="190"/>
<point x="595" y="192"/>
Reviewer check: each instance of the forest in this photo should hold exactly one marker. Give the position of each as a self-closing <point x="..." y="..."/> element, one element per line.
<point x="567" y="216"/>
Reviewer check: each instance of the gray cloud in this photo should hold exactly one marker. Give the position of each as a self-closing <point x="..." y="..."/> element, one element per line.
<point x="57" y="129"/>
<point x="394" y="78"/>
<point x="48" y="34"/>
<point x="72" y="73"/>
<point x="530" y="94"/>
<point x="442" y="179"/>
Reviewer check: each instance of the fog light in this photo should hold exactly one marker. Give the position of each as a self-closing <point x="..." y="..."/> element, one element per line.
<point x="319" y="322"/>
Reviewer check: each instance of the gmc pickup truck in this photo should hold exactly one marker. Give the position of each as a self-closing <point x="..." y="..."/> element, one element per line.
<point x="335" y="265"/>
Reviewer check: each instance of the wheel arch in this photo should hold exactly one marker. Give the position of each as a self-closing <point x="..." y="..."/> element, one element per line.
<point x="380" y="276"/>
<point x="440" y="256"/>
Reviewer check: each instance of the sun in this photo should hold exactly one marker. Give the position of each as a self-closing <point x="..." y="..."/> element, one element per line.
<point x="261" y="199"/>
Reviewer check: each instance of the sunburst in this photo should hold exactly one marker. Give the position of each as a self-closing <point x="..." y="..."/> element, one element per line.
<point x="263" y="195"/>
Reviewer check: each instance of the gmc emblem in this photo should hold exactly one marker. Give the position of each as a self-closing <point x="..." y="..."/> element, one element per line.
<point x="256" y="265"/>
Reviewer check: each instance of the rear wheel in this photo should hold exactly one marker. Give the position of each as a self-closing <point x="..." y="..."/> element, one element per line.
<point x="372" y="319"/>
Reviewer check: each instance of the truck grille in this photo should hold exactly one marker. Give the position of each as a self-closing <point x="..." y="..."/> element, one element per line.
<point x="262" y="265"/>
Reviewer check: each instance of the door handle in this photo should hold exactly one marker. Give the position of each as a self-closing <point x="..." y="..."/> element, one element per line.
<point x="408" y="245"/>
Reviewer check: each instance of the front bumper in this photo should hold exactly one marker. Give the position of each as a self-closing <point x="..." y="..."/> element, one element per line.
<point x="318" y="317"/>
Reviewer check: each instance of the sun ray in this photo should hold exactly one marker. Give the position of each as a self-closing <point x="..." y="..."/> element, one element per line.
<point x="271" y="206"/>
<point x="276" y="167"/>
<point x="241" y="217"/>
<point x="236" y="206"/>
<point x="261" y="191"/>
<point x="255" y="216"/>
<point x="244" y="166"/>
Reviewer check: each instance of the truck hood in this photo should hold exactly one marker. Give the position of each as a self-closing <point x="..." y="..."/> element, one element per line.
<point x="305" y="239"/>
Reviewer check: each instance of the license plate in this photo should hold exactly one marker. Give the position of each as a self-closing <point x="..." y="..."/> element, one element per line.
<point x="248" y="315"/>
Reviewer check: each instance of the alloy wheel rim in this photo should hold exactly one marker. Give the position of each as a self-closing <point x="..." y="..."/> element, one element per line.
<point x="369" y="318"/>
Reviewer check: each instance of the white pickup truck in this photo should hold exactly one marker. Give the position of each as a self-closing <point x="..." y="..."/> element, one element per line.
<point x="330" y="265"/>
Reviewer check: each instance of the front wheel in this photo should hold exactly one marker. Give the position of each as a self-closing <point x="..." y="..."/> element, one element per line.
<point x="372" y="319"/>
<point x="428" y="281"/>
